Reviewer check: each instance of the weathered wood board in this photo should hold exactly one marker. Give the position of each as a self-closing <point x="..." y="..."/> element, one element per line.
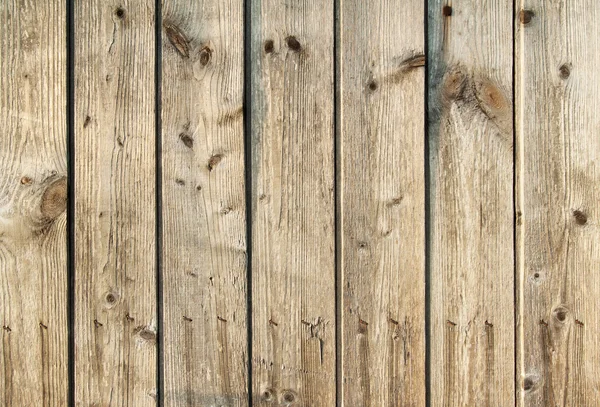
<point x="203" y="204"/>
<point x="418" y="235"/>
<point x="471" y="194"/>
<point x="293" y="231"/>
<point x="558" y="88"/>
<point x="381" y="184"/>
<point x="115" y="213"/>
<point x="33" y="199"/>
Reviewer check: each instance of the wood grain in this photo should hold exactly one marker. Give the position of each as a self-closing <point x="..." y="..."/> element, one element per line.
<point x="115" y="289"/>
<point x="471" y="150"/>
<point x="557" y="100"/>
<point x="382" y="202"/>
<point x="293" y="242"/>
<point x="33" y="196"/>
<point x="204" y="209"/>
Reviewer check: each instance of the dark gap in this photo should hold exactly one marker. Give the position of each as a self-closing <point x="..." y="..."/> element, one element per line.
<point x="158" y="198"/>
<point x="248" y="179"/>
<point x="427" y="179"/>
<point x="516" y="276"/>
<point x="71" y="197"/>
<point x="339" y="339"/>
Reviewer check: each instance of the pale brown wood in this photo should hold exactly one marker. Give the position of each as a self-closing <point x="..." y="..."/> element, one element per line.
<point x="382" y="202"/>
<point x="558" y="94"/>
<point x="33" y="197"/>
<point x="471" y="151"/>
<point x="115" y="290"/>
<point x="293" y="242"/>
<point x="203" y="204"/>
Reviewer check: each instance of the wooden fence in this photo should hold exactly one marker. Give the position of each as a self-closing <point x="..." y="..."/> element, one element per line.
<point x="299" y="203"/>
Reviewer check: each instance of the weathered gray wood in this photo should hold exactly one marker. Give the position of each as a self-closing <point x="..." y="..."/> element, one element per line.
<point x="381" y="190"/>
<point x="115" y="314"/>
<point x="558" y="92"/>
<point x="204" y="210"/>
<point x="472" y="261"/>
<point x="293" y="270"/>
<point x="33" y="197"/>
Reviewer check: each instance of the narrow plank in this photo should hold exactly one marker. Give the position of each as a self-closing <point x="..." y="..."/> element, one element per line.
<point x="558" y="185"/>
<point x="204" y="209"/>
<point x="382" y="219"/>
<point x="33" y="197"/>
<point x="472" y="216"/>
<point x="115" y="319"/>
<point x="293" y="242"/>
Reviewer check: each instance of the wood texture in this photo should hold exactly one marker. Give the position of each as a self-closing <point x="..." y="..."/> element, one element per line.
<point x="382" y="203"/>
<point x="557" y="131"/>
<point x="33" y="196"/>
<point x="293" y="242"/>
<point x="472" y="262"/>
<point x="204" y="210"/>
<point x="115" y="303"/>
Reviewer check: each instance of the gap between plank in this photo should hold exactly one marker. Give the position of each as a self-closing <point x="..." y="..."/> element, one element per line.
<point x="516" y="277"/>
<point x="248" y="182"/>
<point x="70" y="104"/>
<point x="158" y="207"/>
<point x="427" y="220"/>
<point x="337" y="205"/>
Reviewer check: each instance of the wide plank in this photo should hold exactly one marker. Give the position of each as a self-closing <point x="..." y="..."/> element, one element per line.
<point x="471" y="203"/>
<point x="203" y="204"/>
<point x="293" y="231"/>
<point x="381" y="184"/>
<point x="33" y="200"/>
<point x="558" y="94"/>
<point x="115" y="212"/>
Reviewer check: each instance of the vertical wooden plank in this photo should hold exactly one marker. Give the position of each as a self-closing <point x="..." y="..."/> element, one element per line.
<point x="472" y="260"/>
<point x="293" y="259"/>
<point x="33" y="197"/>
<point x="381" y="144"/>
<point x="558" y="185"/>
<point x="115" y="320"/>
<point x="204" y="218"/>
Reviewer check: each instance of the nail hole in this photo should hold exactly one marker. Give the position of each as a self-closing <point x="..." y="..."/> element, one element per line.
<point x="565" y="71"/>
<point x="288" y="396"/>
<point x="269" y="46"/>
<point x="525" y="16"/>
<point x="527" y="384"/>
<point x="293" y="43"/>
<point x="447" y="11"/>
<point x="560" y="313"/>
<point x="120" y="13"/>
<point x="268" y="395"/>
<point x="580" y="217"/>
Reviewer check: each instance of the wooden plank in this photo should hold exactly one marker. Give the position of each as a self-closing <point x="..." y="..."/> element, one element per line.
<point x="204" y="209"/>
<point x="33" y="198"/>
<point x="472" y="216"/>
<point x="557" y="131"/>
<point x="293" y="242"/>
<point x="382" y="216"/>
<point x="115" y="319"/>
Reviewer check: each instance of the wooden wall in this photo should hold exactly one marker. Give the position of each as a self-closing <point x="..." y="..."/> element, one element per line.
<point x="299" y="203"/>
